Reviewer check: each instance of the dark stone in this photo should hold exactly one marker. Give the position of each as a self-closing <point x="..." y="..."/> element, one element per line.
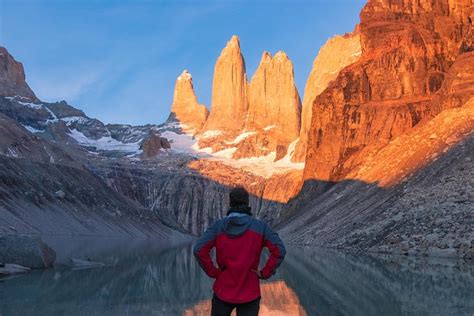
<point x="28" y="251"/>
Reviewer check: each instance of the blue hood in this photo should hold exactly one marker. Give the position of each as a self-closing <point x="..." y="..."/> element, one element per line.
<point x="235" y="224"/>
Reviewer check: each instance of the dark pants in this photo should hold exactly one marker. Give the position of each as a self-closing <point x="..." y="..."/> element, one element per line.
<point x="221" y="308"/>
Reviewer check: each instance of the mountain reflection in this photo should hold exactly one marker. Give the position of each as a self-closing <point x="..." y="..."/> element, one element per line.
<point x="144" y="278"/>
<point x="277" y="300"/>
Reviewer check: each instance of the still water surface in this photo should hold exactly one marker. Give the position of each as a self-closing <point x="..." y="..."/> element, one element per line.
<point x="147" y="278"/>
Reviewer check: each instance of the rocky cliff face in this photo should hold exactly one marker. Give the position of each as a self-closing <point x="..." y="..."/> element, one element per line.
<point x="190" y="194"/>
<point x="229" y="91"/>
<point x="274" y="108"/>
<point x="45" y="188"/>
<point x="407" y="49"/>
<point x="256" y="119"/>
<point x="12" y="77"/>
<point x="338" y="53"/>
<point x="413" y="196"/>
<point x="185" y="108"/>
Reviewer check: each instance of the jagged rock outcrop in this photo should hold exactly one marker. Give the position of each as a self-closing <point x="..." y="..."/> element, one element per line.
<point x="273" y="118"/>
<point x="153" y="144"/>
<point x="12" y="77"/>
<point x="335" y="55"/>
<point x="255" y="119"/>
<point x="407" y="48"/>
<point x="229" y="91"/>
<point x="185" y="108"/>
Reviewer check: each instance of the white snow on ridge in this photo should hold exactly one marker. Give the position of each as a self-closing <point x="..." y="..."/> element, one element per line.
<point x="105" y="143"/>
<point x="264" y="166"/>
<point x="269" y="127"/>
<point x="74" y="119"/>
<point x="211" y="133"/>
<point x="181" y="143"/>
<point x="225" y="154"/>
<point x="31" y="129"/>
<point x="55" y="118"/>
<point x="241" y="137"/>
<point x="28" y="104"/>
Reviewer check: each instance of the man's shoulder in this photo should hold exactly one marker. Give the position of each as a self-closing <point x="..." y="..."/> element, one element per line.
<point x="257" y="225"/>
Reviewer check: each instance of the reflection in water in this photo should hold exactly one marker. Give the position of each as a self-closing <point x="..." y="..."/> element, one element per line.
<point x="277" y="300"/>
<point x="143" y="278"/>
<point x="330" y="282"/>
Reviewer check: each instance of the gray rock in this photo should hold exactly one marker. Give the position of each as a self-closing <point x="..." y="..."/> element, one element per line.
<point x="11" y="268"/>
<point x="60" y="194"/>
<point x="443" y="253"/>
<point x="25" y="250"/>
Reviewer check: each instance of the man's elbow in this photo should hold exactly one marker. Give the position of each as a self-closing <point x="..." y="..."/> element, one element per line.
<point x="281" y="253"/>
<point x="196" y="249"/>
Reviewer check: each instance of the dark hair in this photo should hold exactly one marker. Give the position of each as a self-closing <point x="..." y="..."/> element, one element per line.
<point x="238" y="197"/>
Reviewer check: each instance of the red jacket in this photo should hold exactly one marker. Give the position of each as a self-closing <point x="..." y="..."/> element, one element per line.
<point x="239" y="239"/>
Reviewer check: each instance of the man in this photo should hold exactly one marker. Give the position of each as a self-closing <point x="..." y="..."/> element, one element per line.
<point x="239" y="239"/>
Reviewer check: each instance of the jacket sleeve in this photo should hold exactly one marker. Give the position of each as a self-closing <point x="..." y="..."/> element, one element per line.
<point x="202" y="251"/>
<point x="277" y="252"/>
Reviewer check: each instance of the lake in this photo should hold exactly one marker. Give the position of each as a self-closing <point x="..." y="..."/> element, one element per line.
<point x="150" y="278"/>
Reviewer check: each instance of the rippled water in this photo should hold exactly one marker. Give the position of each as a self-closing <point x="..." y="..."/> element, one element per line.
<point x="147" y="278"/>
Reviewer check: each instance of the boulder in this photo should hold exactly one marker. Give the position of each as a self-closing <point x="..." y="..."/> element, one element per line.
<point x="28" y="251"/>
<point x="60" y="194"/>
<point x="165" y="144"/>
<point x="153" y="144"/>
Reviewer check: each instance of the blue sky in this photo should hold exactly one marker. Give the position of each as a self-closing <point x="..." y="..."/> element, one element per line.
<point x="118" y="60"/>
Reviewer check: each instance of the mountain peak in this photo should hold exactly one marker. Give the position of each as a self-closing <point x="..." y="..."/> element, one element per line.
<point x="229" y="90"/>
<point x="266" y="57"/>
<point x="12" y="77"/>
<point x="185" y="75"/>
<point x="234" y="42"/>
<point x="281" y="56"/>
<point x="185" y="108"/>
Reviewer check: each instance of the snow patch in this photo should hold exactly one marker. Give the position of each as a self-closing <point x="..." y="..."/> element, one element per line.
<point x="211" y="133"/>
<point x="180" y="143"/>
<point x="286" y="161"/>
<point x="31" y="129"/>
<point x="12" y="153"/>
<point x="55" y="118"/>
<point x="241" y="137"/>
<point x="225" y="153"/>
<point x="264" y="166"/>
<point x="269" y="127"/>
<point x="30" y="105"/>
<point x="74" y="119"/>
<point x="105" y="143"/>
<point x="185" y="75"/>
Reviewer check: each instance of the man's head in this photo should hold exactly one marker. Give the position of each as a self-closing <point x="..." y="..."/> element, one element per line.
<point x="239" y="197"/>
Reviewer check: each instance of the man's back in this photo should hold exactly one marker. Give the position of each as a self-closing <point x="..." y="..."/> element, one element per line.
<point x="239" y="239"/>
